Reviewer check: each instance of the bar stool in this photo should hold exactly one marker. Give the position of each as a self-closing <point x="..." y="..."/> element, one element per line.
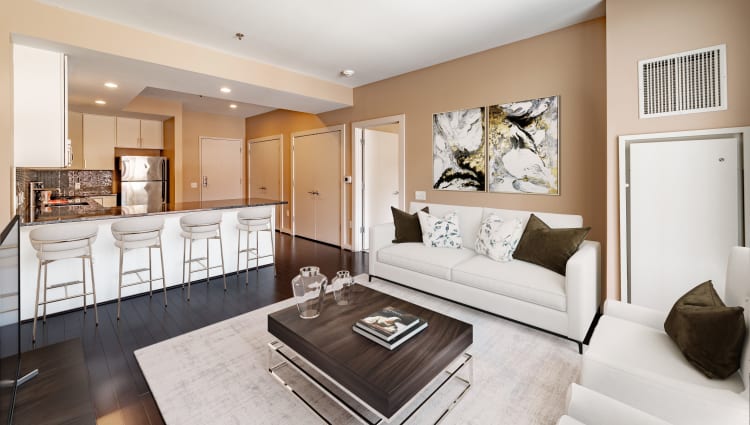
<point x="57" y="243"/>
<point x="201" y="226"/>
<point x="254" y="220"/>
<point x="138" y="233"/>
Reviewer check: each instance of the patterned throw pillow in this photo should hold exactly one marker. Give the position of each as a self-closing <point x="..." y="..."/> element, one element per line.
<point x="498" y="239"/>
<point x="440" y="232"/>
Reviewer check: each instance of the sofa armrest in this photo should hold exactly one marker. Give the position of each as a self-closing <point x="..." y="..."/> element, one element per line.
<point x="381" y="235"/>
<point x="636" y="313"/>
<point x="590" y="407"/>
<point x="582" y="288"/>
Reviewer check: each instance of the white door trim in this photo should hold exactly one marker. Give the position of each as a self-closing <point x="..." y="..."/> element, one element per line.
<point x="341" y="128"/>
<point x="623" y="161"/>
<point x="357" y="170"/>
<point x="280" y="138"/>
<point x="200" y="158"/>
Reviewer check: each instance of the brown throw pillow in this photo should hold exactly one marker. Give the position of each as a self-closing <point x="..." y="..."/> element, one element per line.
<point x="547" y="247"/>
<point x="709" y="334"/>
<point x="407" y="225"/>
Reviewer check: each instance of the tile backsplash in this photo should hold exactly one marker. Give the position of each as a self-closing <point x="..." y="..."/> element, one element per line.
<point x="92" y="182"/>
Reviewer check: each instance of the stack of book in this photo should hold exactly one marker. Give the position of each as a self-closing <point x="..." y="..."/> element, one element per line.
<point x="389" y="327"/>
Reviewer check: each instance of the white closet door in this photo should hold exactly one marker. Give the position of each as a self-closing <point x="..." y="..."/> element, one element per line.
<point x="305" y="169"/>
<point x="328" y="188"/>
<point x="221" y="169"/>
<point x="380" y="165"/>
<point x="264" y="167"/>
<point x="684" y="210"/>
<point x="317" y="190"/>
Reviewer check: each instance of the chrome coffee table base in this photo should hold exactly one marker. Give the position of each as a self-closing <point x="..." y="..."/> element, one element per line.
<point x="287" y="357"/>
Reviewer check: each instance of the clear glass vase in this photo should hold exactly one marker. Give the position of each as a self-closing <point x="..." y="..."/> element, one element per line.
<point x="309" y="288"/>
<point x="342" y="287"/>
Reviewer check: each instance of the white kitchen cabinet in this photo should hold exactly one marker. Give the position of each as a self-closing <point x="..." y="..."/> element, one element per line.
<point x="143" y="134"/>
<point x="152" y="134"/>
<point x="128" y="132"/>
<point x="39" y="108"/>
<point x="99" y="142"/>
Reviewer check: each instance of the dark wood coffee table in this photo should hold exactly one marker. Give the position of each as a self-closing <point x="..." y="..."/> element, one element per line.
<point x="382" y="381"/>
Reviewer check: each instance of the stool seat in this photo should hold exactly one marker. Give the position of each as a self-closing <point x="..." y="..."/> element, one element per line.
<point x="136" y="233"/>
<point x="204" y="225"/>
<point x="65" y="239"/>
<point x="63" y="242"/>
<point x="254" y="220"/>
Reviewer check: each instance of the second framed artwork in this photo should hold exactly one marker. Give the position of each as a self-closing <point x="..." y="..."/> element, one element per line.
<point x="510" y="148"/>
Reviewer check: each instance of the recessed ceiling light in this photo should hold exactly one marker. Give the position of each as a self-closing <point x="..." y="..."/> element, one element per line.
<point x="100" y="102"/>
<point x="233" y="106"/>
<point x="110" y="85"/>
<point x="347" y="73"/>
<point x="225" y="90"/>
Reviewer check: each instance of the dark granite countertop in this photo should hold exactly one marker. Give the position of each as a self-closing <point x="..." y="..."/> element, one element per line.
<point x="94" y="211"/>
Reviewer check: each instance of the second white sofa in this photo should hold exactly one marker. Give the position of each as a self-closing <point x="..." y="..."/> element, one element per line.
<point x="531" y="294"/>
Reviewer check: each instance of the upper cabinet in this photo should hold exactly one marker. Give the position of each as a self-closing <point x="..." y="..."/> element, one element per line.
<point x="39" y="108"/>
<point x="98" y="142"/>
<point x="143" y="134"/>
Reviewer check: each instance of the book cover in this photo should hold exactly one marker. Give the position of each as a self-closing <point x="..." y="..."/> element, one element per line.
<point x="419" y="327"/>
<point x="388" y="323"/>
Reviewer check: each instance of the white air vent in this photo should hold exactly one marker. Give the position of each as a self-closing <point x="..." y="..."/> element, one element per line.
<point x="683" y="83"/>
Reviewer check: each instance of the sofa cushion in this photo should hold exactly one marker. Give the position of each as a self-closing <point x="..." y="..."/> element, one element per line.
<point x="436" y="262"/>
<point x="469" y="219"/>
<point x="709" y="334"/>
<point x="407" y="228"/>
<point x="640" y="350"/>
<point x="555" y="221"/>
<point x="498" y="238"/>
<point x="440" y="232"/>
<point x="548" y="247"/>
<point x="516" y="279"/>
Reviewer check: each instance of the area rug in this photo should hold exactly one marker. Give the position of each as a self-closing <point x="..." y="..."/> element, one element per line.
<point x="218" y="374"/>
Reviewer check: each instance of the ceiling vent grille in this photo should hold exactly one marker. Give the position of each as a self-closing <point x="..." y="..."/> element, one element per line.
<point x="683" y="83"/>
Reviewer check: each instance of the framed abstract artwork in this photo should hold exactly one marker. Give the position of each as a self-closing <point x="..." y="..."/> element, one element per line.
<point x="523" y="147"/>
<point x="459" y="150"/>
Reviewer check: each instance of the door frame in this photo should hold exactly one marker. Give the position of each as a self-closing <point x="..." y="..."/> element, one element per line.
<point x="248" y="151"/>
<point x="341" y="128"/>
<point x="743" y="133"/>
<point x="200" y="160"/>
<point x="358" y="205"/>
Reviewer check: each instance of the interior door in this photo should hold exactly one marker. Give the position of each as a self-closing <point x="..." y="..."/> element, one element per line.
<point x="328" y="188"/>
<point x="685" y="214"/>
<point x="380" y="188"/>
<point x="317" y="190"/>
<point x="264" y="164"/>
<point x="221" y="169"/>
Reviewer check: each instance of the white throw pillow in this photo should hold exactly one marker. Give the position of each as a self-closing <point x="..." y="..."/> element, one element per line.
<point x="498" y="239"/>
<point x="440" y="232"/>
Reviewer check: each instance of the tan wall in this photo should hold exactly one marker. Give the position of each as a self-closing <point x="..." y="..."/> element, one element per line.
<point x="642" y="29"/>
<point x="285" y="123"/>
<point x="569" y="63"/>
<point x="34" y="19"/>
<point x="195" y="126"/>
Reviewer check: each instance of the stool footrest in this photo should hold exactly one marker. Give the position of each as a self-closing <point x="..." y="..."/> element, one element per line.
<point x="64" y="284"/>
<point x="135" y="271"/>
<point x="140" y="282"/>
<point x="69" y="297"/>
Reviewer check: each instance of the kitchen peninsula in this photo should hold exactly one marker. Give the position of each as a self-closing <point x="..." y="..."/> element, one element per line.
<point x="106" y="254"/>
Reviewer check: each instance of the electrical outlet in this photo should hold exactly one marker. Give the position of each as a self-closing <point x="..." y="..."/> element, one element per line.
<point x="420" y="195"/>
<point x="77" y="185"/>
<point x="287" y="213"/>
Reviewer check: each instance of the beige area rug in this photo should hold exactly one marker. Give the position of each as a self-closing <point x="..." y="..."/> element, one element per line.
<point x="218" y="374"/>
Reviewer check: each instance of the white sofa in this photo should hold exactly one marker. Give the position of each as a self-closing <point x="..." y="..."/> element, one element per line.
<point x="525" y="292"/>
<point x="587" y="407"/>
<point x="631" y="358"/>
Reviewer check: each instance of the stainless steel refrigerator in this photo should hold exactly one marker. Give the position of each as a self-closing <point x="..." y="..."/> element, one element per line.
<point x="144" y="181"/>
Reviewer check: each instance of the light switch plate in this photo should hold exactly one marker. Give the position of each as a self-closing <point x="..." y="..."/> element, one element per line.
<point x="193" y="185"/>
<point x="420" y="195"/>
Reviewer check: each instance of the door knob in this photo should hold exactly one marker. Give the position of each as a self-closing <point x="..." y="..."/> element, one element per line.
<point x="395" y="193"/>
<point x="205" y="181"/>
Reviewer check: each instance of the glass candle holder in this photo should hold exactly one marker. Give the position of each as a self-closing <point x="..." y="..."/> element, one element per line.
<point x="309" y="289"/>
<point x="342" y="287"/>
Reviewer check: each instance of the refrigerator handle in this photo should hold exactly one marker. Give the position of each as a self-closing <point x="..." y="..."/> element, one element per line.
<point x="123" y="168"/>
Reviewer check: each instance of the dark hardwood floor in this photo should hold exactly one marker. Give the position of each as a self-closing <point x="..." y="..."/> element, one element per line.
<point x="118" y="389"/>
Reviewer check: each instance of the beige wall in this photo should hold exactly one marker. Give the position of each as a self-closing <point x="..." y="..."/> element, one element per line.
<point x="642" y="29"/>
<point x="195" y="126"/>
<point x="34" y="19"/>
<point x="285" y="123"/>
<point x="569" y="63"/>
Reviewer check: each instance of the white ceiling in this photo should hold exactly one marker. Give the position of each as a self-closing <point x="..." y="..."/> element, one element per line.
<point x="378" y="39"/>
